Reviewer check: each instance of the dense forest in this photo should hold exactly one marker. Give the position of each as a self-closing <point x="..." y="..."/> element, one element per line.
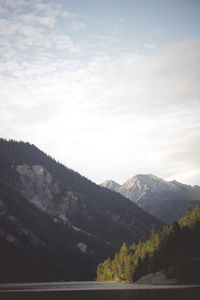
<point x="176" y="251"/>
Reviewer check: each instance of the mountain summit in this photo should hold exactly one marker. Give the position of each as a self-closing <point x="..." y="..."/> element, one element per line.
<point x="167" y="200"/>
<point x="111" y="185"/>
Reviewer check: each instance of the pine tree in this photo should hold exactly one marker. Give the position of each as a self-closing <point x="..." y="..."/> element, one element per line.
<point x="100" y="272"/>
<point x="188" y="210"/>
<point x="129" y="268"/>
<point x="123" y="261"/>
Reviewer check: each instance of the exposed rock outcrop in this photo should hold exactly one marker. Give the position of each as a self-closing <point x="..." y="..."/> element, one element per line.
<point x="159" y="277"/>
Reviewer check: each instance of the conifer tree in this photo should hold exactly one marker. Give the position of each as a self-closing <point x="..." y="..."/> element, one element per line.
<point x="123" y="261"/>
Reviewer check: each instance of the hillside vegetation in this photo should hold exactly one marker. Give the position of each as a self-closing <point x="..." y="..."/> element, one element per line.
<point x="176" y="251"/>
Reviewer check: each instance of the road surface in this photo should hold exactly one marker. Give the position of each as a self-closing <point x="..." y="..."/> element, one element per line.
<point x="91" y="290"/>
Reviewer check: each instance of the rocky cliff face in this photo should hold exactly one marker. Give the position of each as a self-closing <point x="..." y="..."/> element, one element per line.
<point x="61" y="218"/>
<point x="166" y="200"/>
<point x="39" y="188"/>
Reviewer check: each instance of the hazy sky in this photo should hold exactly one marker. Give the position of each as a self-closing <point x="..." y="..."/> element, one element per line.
<point x="110" y="88"/>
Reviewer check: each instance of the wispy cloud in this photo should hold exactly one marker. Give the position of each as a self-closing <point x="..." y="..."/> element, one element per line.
<point x="13" y="4"/>
<point x="32" y="19"/>
<point x="111" y="112"/>
<point x="75" y="26"/>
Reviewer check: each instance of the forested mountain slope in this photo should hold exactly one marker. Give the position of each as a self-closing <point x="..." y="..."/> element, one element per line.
<point x="176" y="251"/>
<point x="53" y="215"/>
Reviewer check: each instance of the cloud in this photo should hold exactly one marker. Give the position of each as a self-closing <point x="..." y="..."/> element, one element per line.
<point x="152" y="87"/>
<point x="110" y="115"/>
<point x="13" y="4"/>
<point x="76" y="26"/>
<point x="150" y="112"/>
<point x="32" y="19"/>
<point x="27" y="32"/>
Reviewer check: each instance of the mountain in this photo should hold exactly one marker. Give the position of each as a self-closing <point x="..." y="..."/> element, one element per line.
<point x="55" y="223"/>
<point x="166" y="200"/>
<point x="111" y="185"/>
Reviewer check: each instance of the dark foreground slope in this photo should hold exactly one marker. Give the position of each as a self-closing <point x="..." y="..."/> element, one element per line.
<point x="55" y="220"/>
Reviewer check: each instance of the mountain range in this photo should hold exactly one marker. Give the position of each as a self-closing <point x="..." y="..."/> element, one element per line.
<point x="56" y="224"/>
<point x="166" y="200"/>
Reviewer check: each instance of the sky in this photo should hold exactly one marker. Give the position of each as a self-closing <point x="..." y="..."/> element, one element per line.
<point x="110" y="88"/>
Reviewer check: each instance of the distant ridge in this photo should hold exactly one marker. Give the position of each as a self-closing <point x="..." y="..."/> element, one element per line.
<point x="166" y="200"/>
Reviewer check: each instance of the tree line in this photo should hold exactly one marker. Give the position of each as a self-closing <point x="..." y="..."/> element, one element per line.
<point x="176" y="250"/>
